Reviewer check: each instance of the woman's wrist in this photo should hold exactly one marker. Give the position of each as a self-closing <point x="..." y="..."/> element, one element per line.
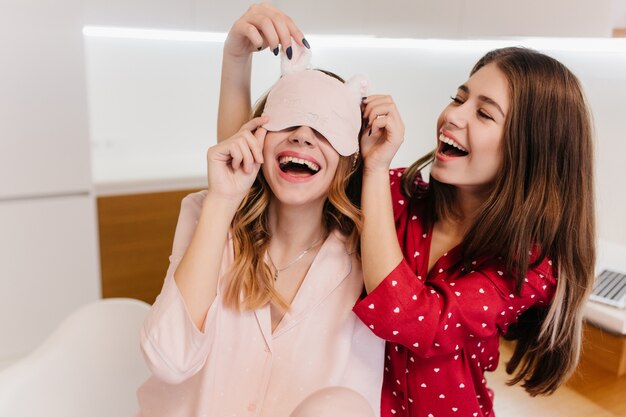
<point x="221" y="204"/>
<point x="375" y="170"/>
<point x="236" y="58"/>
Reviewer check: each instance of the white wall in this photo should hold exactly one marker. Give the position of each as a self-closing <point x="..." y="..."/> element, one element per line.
<point x="42" y="99"/>
<point x="454" y="18"/>
<point x="393" y="18"/>
<point x="153" y="108"/>
<point x="618" y="13"/>
<point x="216" y="15"/>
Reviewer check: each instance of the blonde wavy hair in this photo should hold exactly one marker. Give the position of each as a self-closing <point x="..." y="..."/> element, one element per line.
<point x="251" y="283"/>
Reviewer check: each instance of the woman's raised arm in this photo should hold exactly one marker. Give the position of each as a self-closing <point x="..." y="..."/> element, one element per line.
<point x="260" y="27"/>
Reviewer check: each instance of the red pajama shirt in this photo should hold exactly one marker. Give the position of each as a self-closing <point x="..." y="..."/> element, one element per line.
<point x="442" y="328"/>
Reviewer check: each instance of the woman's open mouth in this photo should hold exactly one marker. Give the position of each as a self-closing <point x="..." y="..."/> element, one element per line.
<point x="297" y="167"/>
<point x="450" y="148"/>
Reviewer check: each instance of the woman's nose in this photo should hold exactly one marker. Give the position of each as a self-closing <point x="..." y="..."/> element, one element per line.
<point x="456" y="115"/>
<point x="302" y="136"/>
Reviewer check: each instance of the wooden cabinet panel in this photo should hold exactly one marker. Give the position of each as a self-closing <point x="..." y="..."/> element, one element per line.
<point x="600" y="375"/>
<point x="619" y="33"/>
<point x="604" y="349"/>
<point x="136" y="234"/>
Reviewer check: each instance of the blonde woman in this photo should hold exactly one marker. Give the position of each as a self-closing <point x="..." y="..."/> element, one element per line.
<point x="255" y="314"/>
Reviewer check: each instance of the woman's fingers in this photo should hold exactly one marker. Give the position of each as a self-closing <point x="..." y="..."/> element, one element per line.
<point x="262" y="25"/>
<point x="250" y="145"/>
<point x="247" y="160"/>
<point x="381" y="112"/>
<point x="235" y="155"/>
<point x="387" y="123"/>
<point x="259" y="141"/>
<point x="254" y="37"/>
<point x="266" y="26"/>
<point x="276" y="27"/>
<point x="377" y="105"/>
<point x="384" y="130"/>
<point x="295" y="32"/>
<point x="255" y="123"/>
<point x="254" y="145"/>
<point x="244" y="150"/>
<point x="282" y="30"/>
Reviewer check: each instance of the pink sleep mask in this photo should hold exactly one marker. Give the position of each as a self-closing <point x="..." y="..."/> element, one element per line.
<point x="306" y="97"/>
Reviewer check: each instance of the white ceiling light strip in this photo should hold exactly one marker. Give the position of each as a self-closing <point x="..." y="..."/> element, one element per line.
<point x="367" y="41"/>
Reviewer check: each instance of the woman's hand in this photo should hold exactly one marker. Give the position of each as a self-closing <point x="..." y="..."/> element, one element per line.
<point x="262" y="25"/>
<point x="380" y="140"/>
<point x="383" y="134"/>
<point x="233" y="164"/>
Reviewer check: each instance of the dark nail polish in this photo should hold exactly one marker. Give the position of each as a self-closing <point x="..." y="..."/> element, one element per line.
<point x="306" y="43"/>
<point x="259" y="48"/>
<point x="275" y="51"/>
<point x="289" y="52"/>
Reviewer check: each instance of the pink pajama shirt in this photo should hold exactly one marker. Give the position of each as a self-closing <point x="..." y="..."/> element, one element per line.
<point x="236" y="366"/>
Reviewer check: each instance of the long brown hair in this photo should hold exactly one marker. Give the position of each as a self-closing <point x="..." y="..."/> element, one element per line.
<point x="543" y="195"/>
<point x="251" y="283"/>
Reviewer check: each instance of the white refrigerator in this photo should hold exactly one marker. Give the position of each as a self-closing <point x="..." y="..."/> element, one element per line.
<point x="48" y="235"/>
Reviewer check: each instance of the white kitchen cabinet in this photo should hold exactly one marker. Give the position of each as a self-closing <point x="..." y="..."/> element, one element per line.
<point x="48" y="244"/>
<point x="49" y="267"/>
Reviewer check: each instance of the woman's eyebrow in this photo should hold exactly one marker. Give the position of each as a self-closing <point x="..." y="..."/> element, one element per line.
<point x="486" y="99"/>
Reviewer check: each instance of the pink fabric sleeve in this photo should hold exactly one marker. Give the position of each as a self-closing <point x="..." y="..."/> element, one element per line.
<point x="366" y="357"/>
<point x="440" y="316"/>
<point x="173" y="347"/>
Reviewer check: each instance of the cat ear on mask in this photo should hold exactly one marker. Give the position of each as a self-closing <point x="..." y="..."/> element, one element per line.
<point x="300" y="59"/>
<point x="359" y="84"/>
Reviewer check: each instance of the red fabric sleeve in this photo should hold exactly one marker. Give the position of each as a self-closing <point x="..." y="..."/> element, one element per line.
<point x="441" y="316"/>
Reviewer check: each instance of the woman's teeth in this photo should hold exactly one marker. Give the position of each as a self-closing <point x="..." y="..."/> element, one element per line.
<point x="452" y="143"/>
<point x="287" y="159"/>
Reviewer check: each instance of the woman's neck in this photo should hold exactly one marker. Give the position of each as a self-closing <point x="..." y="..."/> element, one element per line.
<point x="467" y="203"/>
<point x="294" y="228"/>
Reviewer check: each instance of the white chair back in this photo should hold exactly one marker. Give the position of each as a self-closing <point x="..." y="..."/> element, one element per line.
<point x="90" y="366"/>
